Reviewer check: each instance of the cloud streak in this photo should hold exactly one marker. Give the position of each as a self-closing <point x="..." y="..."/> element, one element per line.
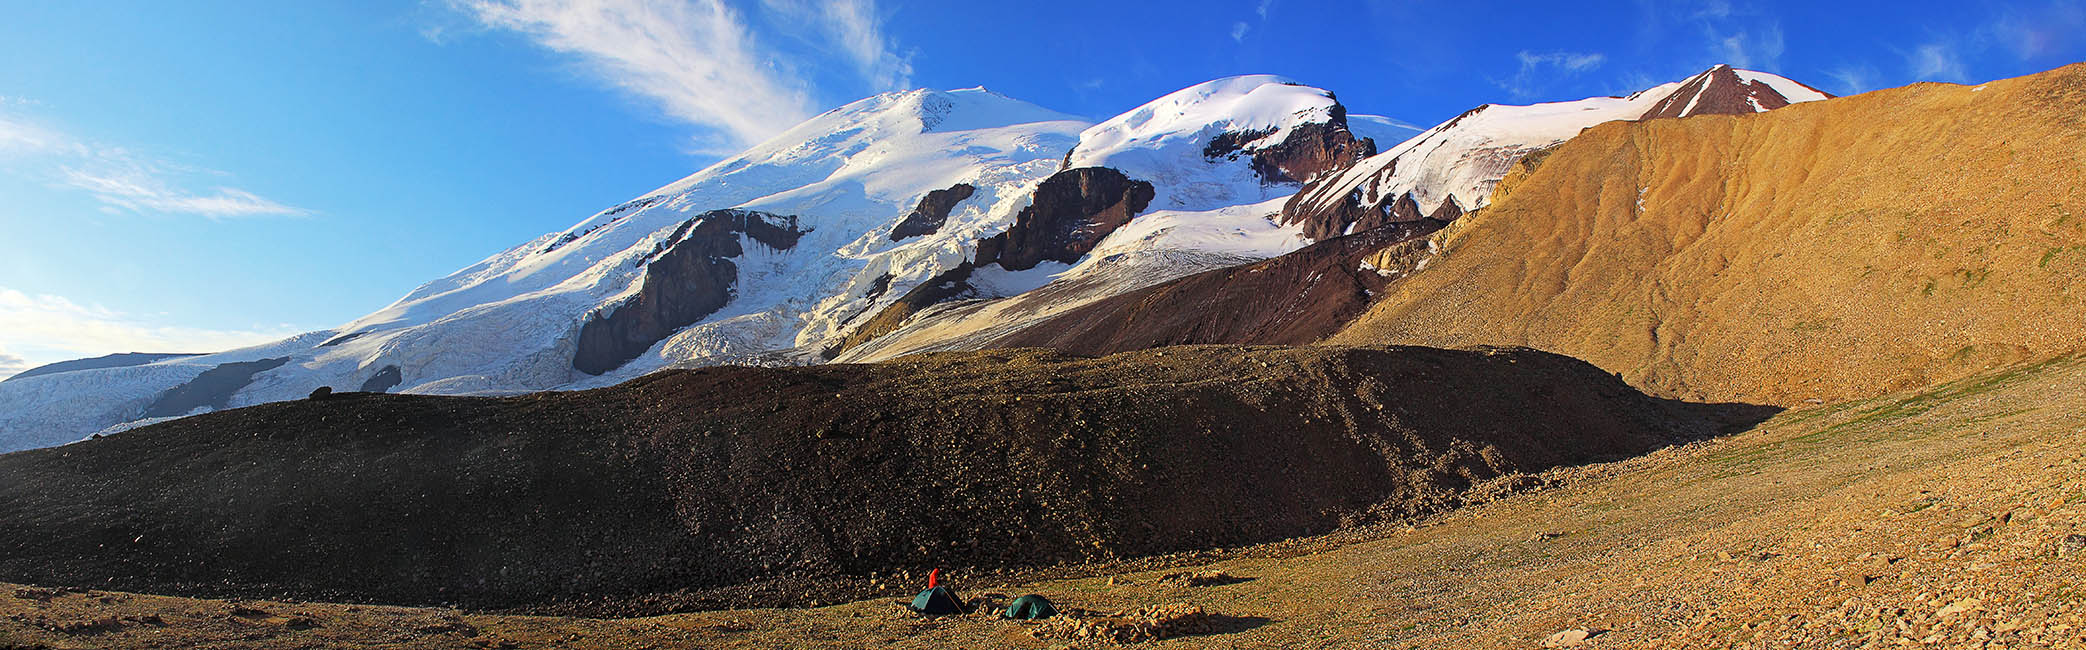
<point x="62" y="329"/>
<point x="1751" y="48"/>
<point x="120" y="178"/>
<point x="1538" y="68"/>
<point x="700" y="61"/>
<point x="1937" y="62"/>
<point x="11" y="365"/>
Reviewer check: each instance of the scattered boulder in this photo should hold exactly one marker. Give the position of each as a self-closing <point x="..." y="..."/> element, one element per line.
<point x="2072" y="545"/>
<point x="1151" y="623"/>
<point x="1569" y="638"/>
<point x="320" y="393"/>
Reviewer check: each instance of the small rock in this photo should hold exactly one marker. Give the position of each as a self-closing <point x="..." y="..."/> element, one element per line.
<point x="2072" y="545"/>
<point x="1960" y="607"/>
<point x="1568" y="638"/>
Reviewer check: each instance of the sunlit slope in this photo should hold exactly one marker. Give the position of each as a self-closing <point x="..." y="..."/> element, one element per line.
<point x="1831" y="250"/>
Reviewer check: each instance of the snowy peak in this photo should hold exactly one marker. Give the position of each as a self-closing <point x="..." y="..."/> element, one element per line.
<point x="1265" y="104"/>
<point x="1224" y="142"/>
<point x="1724" y="90"/>
<point x="1453" y="167"/>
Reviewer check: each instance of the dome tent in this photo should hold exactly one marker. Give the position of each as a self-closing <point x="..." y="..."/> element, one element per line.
<point x="938" y="601"/>
<point x="1030" y="607"/>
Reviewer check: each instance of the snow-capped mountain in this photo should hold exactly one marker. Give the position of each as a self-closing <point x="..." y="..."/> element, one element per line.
<point x="736" y="263"/>
<point x="1451" y="168"/>
<point x="905" y="221"/>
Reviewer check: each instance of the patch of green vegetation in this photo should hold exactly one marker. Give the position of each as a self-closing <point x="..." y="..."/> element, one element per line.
<point x="1927" y="290"/>
<point x="1918" y="506"/>
<point x="1920" y="403"/>
<point x="1973" y="277"/>
<point x="2047" y="254"/>
<point x="1998" y="415"/>
<point x="1962" y="353"/>
<point x="1808" y="326"/>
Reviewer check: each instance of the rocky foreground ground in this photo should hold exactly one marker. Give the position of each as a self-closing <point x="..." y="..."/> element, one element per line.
<point x="1952" y="517"/>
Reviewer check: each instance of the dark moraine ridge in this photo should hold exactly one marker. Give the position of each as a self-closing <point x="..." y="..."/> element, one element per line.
<point x="1297" y="298"/>
<point x="694" y="483"/>
<point x="686" y="279"/>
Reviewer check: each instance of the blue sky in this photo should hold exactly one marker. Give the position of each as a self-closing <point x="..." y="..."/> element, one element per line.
<point x="196" y="175"/>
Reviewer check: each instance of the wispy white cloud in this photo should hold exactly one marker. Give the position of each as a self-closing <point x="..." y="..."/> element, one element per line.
<point x="1538" y="69"/>
<point x="1238" y="31"/>
<point x="62" y="329"/>
<point x="856" y="27"/>
<point x="11" y="365"/>
<point x="1937" y="62"/>
<point x="1854" y="79"/>
<point x="701" y="61"/>
<point x="2033" y="32"/>
<point x="122" y="178"/>
<point x="143" y="191"/>
<point x="1760" y="47"/>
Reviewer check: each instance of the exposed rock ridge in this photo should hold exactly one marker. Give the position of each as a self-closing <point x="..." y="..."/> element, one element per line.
<point x="1308" y="151"/>
<point x="947" y="285"/>
<point x="932" y="212"/>
<point x="214" y="388"/>
<point x="384" y="380"/>
<point x="688" y="277"/>
<point x="1071" y="212"/>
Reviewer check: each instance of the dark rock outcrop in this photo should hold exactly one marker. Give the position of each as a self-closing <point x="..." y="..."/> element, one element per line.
<point x="320" y="393"/>
<point x="932" y="212"/>
<point x="386" y="379"/>
<point x="118" y="360"/>
<point x="1071" y="212"/>
<point x="1308" y="151"/>
<point x="689" y="277"/>
<point x="947" y="285"/>
<point x="744" y="486"/>
<point x="213" y="388"/>
<point x="1292" y="299"/>
<point x="337" y="340"/>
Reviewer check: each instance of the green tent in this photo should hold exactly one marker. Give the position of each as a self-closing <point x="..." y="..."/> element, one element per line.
<point x="1030" y="607"/>
<point x="938" y="601"/>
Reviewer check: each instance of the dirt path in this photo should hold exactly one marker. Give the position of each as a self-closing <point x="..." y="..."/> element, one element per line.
<point x="1941" y="517"/>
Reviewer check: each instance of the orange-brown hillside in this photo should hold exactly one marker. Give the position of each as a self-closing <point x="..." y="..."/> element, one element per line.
<point x="1824" y="251"/>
